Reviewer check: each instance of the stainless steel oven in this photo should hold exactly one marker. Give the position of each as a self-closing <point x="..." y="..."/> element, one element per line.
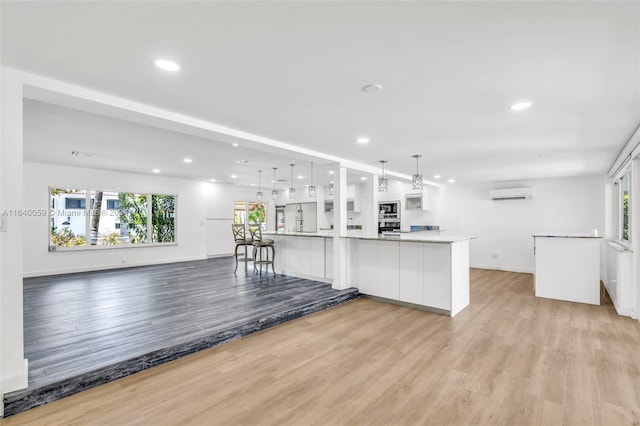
<point x="389" y="216"/>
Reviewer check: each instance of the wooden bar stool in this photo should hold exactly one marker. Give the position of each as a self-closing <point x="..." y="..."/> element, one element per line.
<point x="261" y="245"/>
<point x="240" y="237"/>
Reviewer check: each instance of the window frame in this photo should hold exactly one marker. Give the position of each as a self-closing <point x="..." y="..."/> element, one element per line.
<point x="624" y="177"/>
<point x="89" y="201"/>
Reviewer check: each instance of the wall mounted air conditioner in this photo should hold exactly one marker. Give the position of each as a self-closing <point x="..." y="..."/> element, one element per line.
<point x="511" y="193"/>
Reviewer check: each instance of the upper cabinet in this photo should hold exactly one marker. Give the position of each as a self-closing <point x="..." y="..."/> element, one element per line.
<point x="352" y="205"/>
<point x="417" y="201"/>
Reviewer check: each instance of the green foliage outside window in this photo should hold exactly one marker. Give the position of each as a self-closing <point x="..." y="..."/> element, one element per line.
<point x="133" y="215"/>
<point x="257" y="213"/>
<point x="163" y="218"/>
<point x="65" y="238"/>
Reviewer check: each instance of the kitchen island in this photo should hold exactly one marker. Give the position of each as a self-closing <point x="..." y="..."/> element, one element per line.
<point x="421" y="269"/>
<point x="567" y="267"/>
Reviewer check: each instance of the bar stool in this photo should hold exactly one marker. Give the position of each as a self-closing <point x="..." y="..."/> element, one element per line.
<point x="259" y="245"/>
<point x="240" y="237"/>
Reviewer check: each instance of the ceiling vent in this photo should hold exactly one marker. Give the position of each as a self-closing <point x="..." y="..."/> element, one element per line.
<point x="511" y="193"/>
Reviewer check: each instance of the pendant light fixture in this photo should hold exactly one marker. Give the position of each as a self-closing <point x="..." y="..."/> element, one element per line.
<point x="331" y="188"/>
<point x="311" y="190"/>
<point x="383" y="182"/>
<point x="416" y="180"/>
<point x="259" y="193"/>
<point x="292" y="190"/>
<point x="274" y="191"/>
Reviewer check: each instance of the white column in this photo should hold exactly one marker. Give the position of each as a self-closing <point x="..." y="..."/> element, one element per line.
<point x="370" y="205"/>
<point x="13" y="366"/>
<point x="340" y="229"/>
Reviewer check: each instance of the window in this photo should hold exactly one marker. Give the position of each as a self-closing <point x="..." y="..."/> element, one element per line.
<point x="250" y="212"/>
<point x="67" y="219"/>
<point x="113" y="204"/>
<point x="625" y="208"/>
<point x="74" y="203"/>
<point x="115" y="218"/>
<point x="163" y="218"/>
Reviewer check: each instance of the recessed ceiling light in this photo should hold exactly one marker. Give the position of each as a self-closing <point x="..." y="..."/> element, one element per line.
<point x="362" y="140"/>
<point x="520" y="105"/>
<point x="363" y="178"/>
<point x="235" y="144"/>
<point x="166" y="65"/>
<point x="437" y="176"/>
<point x="252" y="184"/>
<point x="330" y="172"/>
<point x="372" y="88"/>
<point x="300" y="177"/>
<point x="234" y="176"/>
<point x="156" y="170"/>
<point x="212" y="180"/>
<point x="451" y="180"/>
<point x="187" y="160"/>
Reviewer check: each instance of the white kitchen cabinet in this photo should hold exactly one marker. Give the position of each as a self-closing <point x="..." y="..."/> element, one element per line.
<point x="437" y="276"/>
<point x="411" y="273"/>
<point x="418" y="200"/>
<point x="567" y="267"/>
<point x="316" y="256"/>
<point x="353" y="205"/>
<point x="280" y="246"/>
<point x="328" y="258"/>
<point x="367" y="266"/>
<point x="388" y="269"/>
<point x="433" y="273"/>
<point x="298" y="259"/>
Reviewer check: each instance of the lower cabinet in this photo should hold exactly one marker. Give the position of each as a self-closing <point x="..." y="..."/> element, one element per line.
<point x="437" y="275"/>
<point x="388" y="269"/>
<point x="328" y="258"/>
<point x="412" y="272"/>
<point x="316" y="257"/>
<point x="367" y="266"/>
<point x="302" y="256"/>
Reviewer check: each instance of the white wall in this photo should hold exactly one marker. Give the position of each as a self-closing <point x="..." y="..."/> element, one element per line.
<point x="13" y="366"/>
<point x="190" y="227"/>
<point x="220" y="200"/>
<point x="575" y="204"/>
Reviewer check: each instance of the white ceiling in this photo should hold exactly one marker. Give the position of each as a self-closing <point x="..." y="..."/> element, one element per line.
<point x="293" y="72"/>
<point x="53" y="133"/>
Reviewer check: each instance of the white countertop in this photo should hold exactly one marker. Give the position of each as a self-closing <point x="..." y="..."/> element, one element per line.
<point x="418" y="237"/>
<point x="564" y="235"/>
<point x="322" y="234"/>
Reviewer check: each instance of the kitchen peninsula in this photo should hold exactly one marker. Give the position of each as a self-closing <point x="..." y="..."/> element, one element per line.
<point x="421" y="269"/>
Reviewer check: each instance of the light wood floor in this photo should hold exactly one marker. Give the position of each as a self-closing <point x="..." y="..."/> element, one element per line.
<point x="509" y="358"/>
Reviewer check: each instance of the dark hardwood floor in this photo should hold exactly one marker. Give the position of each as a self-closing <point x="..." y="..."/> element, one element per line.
<point x="76" y="324"/>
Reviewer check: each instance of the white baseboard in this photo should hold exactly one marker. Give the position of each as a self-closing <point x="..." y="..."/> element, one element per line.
<point x="621" y="311"/>
<point x="503" y="268"/>
<point x="108" y="267"/>
<point x="17" y="381"/>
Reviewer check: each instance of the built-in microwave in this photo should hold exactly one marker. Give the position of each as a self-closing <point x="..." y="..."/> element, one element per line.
<point x="389" y="210"/>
